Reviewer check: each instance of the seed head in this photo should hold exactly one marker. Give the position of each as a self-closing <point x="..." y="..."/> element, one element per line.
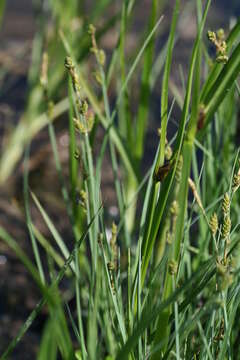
<point x="168" y="152"/>
<point x="114" y="234"/>
<point x="91" y="29"/>
<point x="172" y="267"/>
<point x="221" y="34"/>
<point x="226" y="228"/>
<point x="236" y="182"/>
<point x="211" y="36"/>
<point x="68" y="63"/>
<point x="98" y="77"/>
<point x="222" y="59"/>
<point x="101" y="57"/>
<point x="179" y="169"/>
<point x="213" y="223"/>
<point x="82" y="199"/>
<point x="226" y="204"/>
<point x="83" y="107"/>
<point x="220" y="44"/>
<point x="110" y="266"/>
<point x="84" y="126"/>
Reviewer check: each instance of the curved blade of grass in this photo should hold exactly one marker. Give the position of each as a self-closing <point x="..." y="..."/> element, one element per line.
<point x="58" y="278"/>
<point x="53" y="230"/>
<point x="28" y="216"/>
<point x="24" y="132"/>
<point x="66" y="346"/>
<point x="22" y="256"/>
<point x="48" y="248"/>
<point x="74" y="325"/>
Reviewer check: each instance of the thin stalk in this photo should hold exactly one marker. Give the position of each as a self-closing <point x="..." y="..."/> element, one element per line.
<point x="28" y="217"/>
<point x="162" y="332"/>
<point x="176" y="318"/>
<point x="141" y="121"/>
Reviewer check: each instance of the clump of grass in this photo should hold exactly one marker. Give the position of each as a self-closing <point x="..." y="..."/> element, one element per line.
<point x="166" y="285"/>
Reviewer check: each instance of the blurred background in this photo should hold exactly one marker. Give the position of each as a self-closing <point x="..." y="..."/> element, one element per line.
<point x="25" y="29"/>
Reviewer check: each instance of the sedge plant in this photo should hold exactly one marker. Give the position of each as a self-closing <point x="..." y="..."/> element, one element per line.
<point x="163" y="284"/>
